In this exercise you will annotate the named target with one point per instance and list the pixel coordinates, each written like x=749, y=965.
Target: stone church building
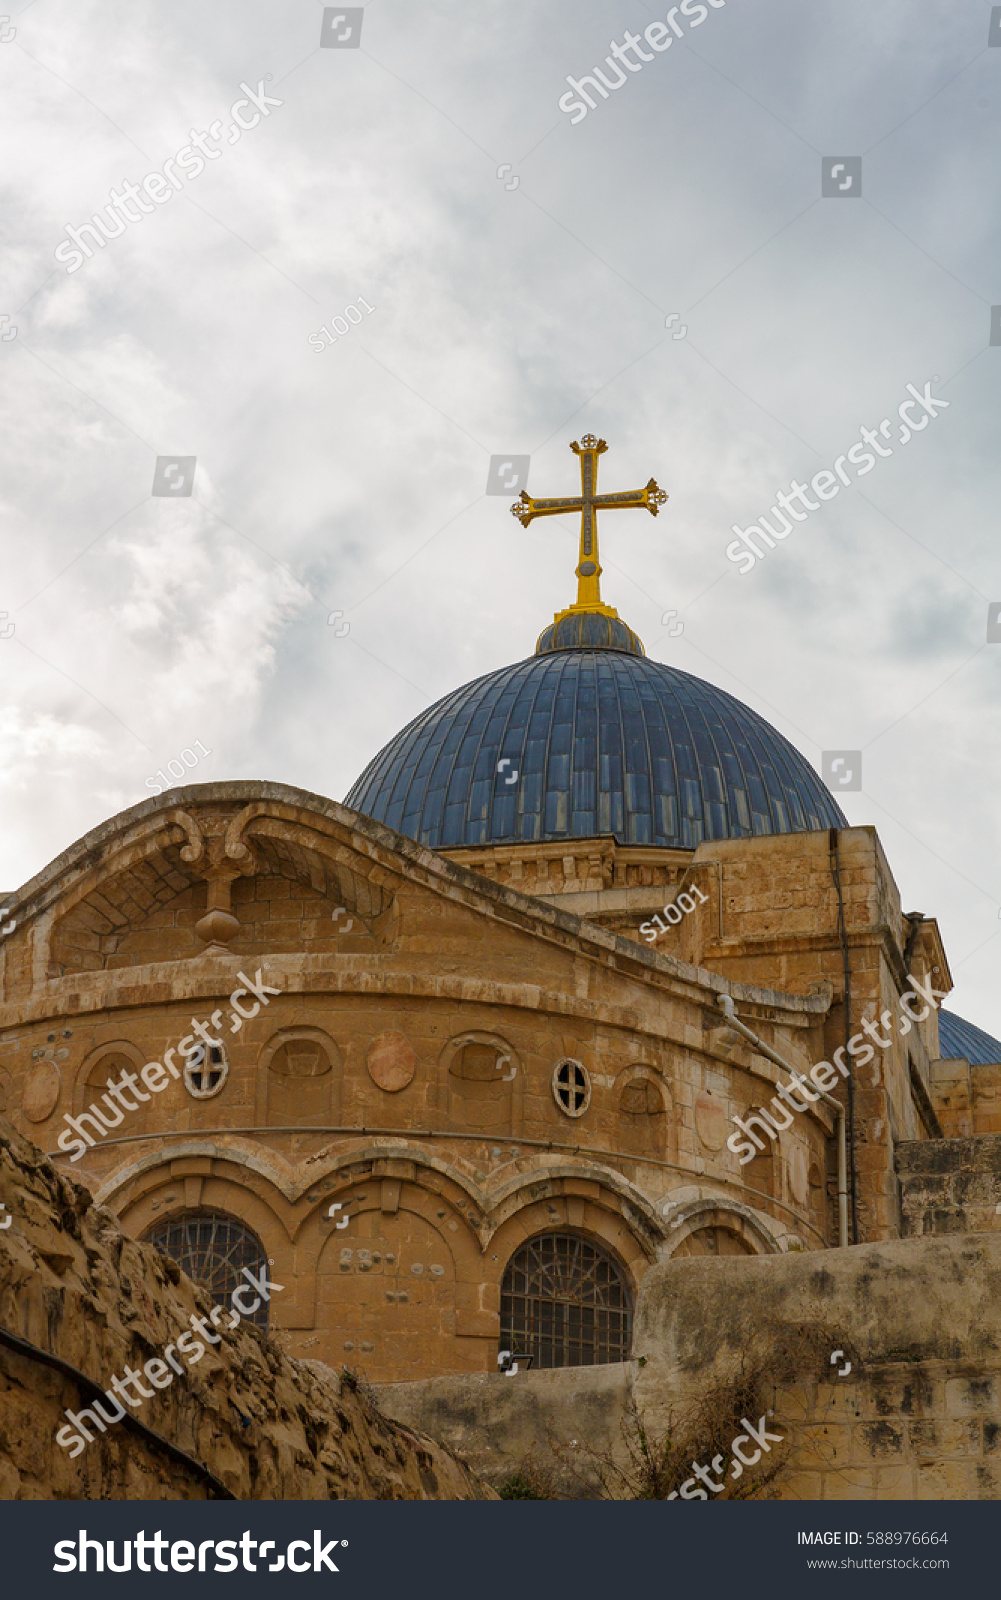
x=456, y=1060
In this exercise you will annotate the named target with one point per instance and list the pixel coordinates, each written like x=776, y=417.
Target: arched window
x=564, y=1301
x=213, y=1250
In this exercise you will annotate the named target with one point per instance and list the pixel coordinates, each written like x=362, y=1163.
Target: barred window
x=565, y=1302
x=213, y=1249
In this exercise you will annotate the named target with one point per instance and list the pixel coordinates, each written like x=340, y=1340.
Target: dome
x=577, y=742
x=959, y=1038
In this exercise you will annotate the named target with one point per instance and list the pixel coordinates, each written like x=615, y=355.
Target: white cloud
x=504, y=320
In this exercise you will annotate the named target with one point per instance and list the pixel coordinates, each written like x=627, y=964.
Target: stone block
x=975, y=1188
x=795, y=1484
x=944, y=1438
x=896, y=1394
x=823, y=1445
x=849, y=1483
x=843, y=1402
x=971, y=1396
x=945, y=1480
x=894, y=1483
x=879, y=1440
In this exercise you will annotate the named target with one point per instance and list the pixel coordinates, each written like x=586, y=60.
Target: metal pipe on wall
x=726, y=1005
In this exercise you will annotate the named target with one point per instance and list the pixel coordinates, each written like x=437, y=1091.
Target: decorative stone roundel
x=710, y=1120
x=391, y=1061
x=41, y=1091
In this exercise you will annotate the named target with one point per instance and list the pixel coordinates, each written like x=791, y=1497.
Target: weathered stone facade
x=404, y=1070
x=950, y=1185
x=78, y=1289
x=771, y=917
x=918, y=1417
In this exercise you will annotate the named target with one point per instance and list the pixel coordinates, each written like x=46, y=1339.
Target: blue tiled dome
x=957, y=1037
x=601, y=742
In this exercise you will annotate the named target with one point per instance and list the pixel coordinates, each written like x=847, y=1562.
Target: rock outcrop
x=78, y=1296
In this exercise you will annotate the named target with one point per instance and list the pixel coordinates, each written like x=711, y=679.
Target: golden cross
x=589, y=503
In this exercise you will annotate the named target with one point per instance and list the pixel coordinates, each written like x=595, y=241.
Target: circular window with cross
x=205, y=1071
x=571, y=1087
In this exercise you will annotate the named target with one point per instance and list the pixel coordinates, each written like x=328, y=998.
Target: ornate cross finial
x=589, y=503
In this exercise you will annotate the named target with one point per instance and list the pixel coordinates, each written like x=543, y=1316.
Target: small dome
x=589, y=630
x=574, y=743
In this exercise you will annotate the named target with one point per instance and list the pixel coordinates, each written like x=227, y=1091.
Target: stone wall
x=768, y=914
x=950, y=1185
x=403, y=1070
x=918, y=1417
x=265, y=1426
x=498, y=1424
x=967, y=1099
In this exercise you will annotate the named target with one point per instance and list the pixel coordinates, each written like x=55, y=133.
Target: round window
x=571, y=1087
x=205, y=1071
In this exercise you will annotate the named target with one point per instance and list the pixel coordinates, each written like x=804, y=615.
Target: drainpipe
x=726, y=1004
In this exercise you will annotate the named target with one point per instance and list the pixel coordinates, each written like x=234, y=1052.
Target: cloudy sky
x=663, y=271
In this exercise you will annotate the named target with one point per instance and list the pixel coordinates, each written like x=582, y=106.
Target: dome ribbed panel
x=602, y=742
x=957, y=1037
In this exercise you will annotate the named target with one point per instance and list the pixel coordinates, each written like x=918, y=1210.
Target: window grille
x=564, y=1301
x=213, y=1250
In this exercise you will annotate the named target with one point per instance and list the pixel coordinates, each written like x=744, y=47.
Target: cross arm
x=526, y=508
x=652, y=497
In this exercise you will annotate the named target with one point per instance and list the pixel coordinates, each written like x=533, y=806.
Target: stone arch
x=178, y=1186
x=764, y=1171
x=398, y=1269
x=322, y=881
x=604, y=1189
x=332, y=1172
x=600, y=1218
x=147, y=887
x=643, y=1106
x=88, y=1080
x=193, y=1177
x=481, y=1083
x=299, y=1078
x=717, y=1226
